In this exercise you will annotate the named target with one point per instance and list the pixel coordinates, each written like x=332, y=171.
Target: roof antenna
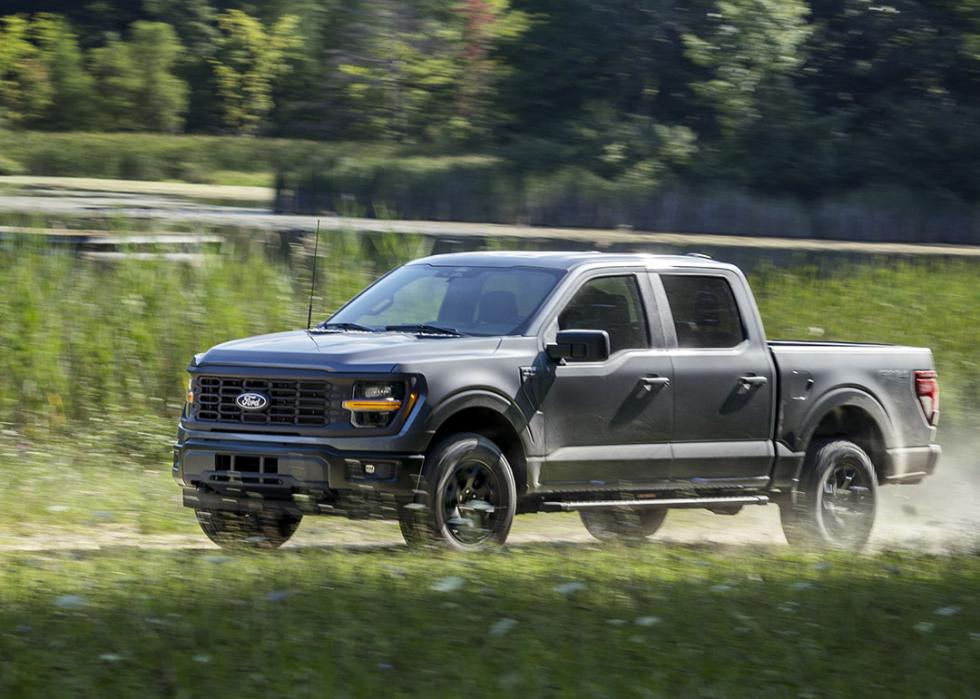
x=316, y=249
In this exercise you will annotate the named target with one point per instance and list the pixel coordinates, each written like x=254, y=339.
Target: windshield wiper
x=425, y=329
x=342, y=327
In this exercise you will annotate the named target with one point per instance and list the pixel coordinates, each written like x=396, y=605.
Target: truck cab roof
x=569, y=260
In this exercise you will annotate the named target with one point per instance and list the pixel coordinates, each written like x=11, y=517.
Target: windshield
x=470, y=300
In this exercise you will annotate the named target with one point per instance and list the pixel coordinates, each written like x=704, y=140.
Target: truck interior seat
x=497, y=307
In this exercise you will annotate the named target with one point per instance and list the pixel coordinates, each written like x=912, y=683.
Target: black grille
x=291, y=402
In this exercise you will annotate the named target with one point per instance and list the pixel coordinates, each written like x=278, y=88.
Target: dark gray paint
x=591, y=427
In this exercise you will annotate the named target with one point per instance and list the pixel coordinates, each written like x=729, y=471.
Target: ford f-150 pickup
x=460, y=390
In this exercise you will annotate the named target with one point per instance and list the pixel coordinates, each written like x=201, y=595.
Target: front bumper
x=241, y=472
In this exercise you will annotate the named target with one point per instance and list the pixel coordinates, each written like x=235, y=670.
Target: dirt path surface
x=941, y=515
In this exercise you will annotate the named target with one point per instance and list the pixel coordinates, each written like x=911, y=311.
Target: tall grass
x=83, y=340
x=83, y=343
x=928, y=302
x=140, y=156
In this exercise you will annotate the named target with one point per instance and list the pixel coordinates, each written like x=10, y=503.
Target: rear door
x=723, y=376
x=608, y=424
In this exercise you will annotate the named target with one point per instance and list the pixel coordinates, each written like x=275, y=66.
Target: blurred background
x=163, y=164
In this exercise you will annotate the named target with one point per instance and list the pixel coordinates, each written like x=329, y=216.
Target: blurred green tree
x=195, y=22
x=72, y=88
x=137, y=88
x=25, y=85
x=747, y=46
x=162, y=97
x=249, y=58
x=428, y=71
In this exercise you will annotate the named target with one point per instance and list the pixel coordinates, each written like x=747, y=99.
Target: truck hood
x=344, y=351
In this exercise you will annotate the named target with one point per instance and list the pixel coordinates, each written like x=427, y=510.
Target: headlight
x=375, y=403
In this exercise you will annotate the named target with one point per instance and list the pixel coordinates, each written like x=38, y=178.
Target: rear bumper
x=233, y=474
x=912, y=464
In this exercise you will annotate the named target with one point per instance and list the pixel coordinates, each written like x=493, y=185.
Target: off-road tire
x=235, y=530
x=835, y=502
x=627, y=525
x=466, y=499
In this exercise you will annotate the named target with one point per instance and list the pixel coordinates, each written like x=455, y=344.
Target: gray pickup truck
x=460, y=390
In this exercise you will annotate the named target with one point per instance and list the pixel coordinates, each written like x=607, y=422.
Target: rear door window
x=704, y=310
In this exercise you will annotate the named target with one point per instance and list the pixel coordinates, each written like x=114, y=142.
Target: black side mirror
x=580, y=346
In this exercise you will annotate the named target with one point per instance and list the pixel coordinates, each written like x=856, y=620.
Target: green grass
x=143, y=156
x=925, y=303
x=82, y=340
x=93, y=357
x=92, y=363
x=103, y=480
x=647, y=621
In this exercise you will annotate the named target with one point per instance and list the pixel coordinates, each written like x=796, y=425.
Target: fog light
x=371, y=471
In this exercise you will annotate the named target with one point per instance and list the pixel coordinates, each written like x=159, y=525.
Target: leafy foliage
x=25, y=90
x=248, y=59
x=72, y=86
x=137, y=90
x=799, y=98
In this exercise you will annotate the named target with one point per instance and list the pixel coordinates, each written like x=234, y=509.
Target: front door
x=723, y=398
x=608, y=424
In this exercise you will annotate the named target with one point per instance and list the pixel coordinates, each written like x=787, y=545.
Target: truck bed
x=812, y=373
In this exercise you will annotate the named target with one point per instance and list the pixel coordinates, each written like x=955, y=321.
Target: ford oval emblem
x=252, y=401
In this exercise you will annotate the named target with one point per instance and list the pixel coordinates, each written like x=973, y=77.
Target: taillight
x=927, y=391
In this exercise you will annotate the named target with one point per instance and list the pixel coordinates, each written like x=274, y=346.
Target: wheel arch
x=491, y=415
x=856, y=416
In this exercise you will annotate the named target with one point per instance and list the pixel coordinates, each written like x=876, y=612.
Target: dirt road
x=940, y=515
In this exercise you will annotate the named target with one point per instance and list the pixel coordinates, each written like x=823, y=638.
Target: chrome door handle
x=749, y=381
x=651, y=382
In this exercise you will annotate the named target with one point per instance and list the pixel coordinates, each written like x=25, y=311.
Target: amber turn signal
x=363, y=405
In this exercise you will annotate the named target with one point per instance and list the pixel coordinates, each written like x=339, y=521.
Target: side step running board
x=570, y=506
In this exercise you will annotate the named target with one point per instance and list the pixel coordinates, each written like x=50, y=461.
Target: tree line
x=797, y=97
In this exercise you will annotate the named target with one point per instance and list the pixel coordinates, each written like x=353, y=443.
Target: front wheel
x=836, y=501
x=623, y=524
x=467, y=498
x=237, y=530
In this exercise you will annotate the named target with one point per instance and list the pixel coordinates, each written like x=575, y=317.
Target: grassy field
x=92, y=361
x=136, y=156
x=96, y=482
x=925, y=303
x=83, y=341
x=539, y=620
x=225, y=160
x=93, y=356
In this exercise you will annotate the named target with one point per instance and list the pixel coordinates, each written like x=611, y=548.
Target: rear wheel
x=467, y=498
x=623, y=524
x=836, y=502
x=247, y=530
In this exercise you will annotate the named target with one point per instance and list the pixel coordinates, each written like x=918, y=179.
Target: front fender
x=482, y=398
